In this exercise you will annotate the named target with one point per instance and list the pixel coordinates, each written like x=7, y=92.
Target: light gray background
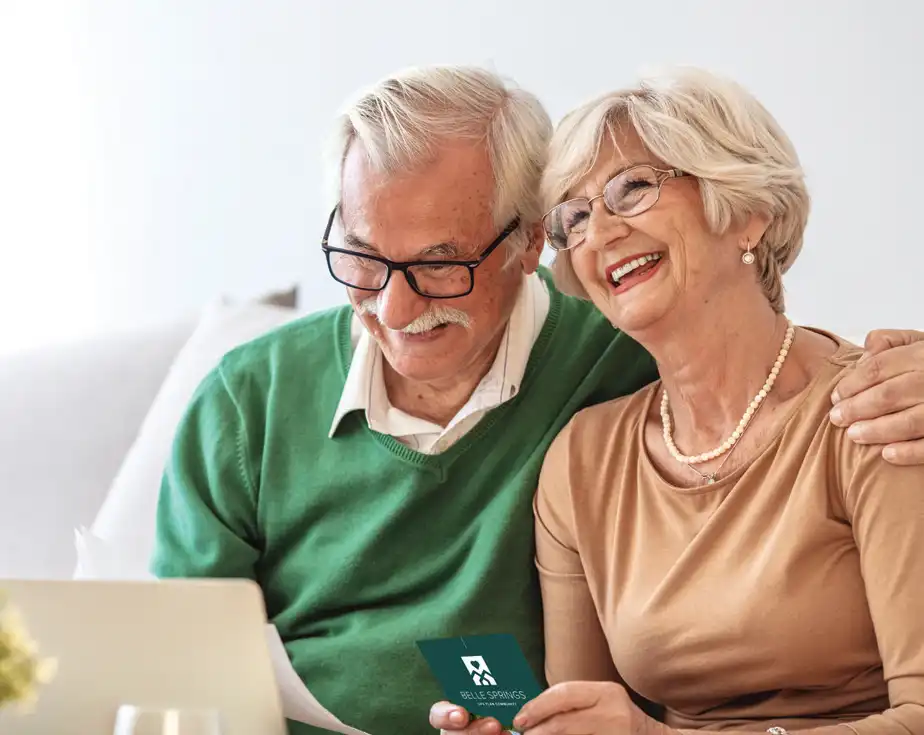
x=156, y=153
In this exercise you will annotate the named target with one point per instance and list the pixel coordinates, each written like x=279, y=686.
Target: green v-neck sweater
x=361, y=545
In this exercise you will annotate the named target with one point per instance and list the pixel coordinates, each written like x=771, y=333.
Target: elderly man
x=372, y=468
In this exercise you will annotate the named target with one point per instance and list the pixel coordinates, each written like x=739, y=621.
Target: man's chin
x=427, y=359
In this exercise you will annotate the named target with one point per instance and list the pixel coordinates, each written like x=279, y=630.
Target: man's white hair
x=404, y=119
x=709, y=127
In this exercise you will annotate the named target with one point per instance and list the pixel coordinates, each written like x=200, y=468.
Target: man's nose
x=399, y=304
x=603, y=227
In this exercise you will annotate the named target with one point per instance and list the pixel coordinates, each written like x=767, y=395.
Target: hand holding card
x=487, y=675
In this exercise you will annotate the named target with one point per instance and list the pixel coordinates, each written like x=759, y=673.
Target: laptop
x=188, y=644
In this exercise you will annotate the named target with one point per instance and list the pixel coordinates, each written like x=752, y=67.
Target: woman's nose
x=603, y=227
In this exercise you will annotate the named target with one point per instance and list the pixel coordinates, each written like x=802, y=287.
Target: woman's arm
x=885, y=505
x=576, y=648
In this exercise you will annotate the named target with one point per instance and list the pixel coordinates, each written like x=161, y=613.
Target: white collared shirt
x=365, y=391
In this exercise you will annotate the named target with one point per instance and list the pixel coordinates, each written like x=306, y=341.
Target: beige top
x=790, y=593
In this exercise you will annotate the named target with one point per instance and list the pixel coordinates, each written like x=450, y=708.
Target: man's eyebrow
x=447, y=249
x=441, y=250
x=354, y=242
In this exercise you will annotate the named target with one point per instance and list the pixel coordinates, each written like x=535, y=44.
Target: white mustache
x=434, y=317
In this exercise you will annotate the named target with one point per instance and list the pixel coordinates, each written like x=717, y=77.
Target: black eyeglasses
x=434, y=279
x=628, y=194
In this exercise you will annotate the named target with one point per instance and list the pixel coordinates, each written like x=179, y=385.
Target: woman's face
x=680, y=266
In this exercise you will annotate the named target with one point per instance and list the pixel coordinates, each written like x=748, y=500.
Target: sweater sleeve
x=885, y=505
x=575, y=645
x=206, y=513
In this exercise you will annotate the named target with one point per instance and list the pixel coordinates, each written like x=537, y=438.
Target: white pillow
x=126, y=520
x=97, y=560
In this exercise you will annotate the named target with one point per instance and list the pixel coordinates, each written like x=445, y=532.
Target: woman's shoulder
x=605, y=430
x=812, y=440
x=597, y=442
x=846, y=352
x=616, y=415
x=811, y=374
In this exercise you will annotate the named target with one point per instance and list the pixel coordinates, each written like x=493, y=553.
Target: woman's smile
x=631, y=271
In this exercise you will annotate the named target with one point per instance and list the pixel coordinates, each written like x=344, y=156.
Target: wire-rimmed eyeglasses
x=629, y=193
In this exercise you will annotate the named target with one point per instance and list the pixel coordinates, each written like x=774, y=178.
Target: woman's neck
x=713, y=368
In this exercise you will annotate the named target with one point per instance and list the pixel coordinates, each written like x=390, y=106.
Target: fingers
x=877, y=369
x=566, y=697
x=580, y=721
x=480, y=727
x=904, y=426
x=448, y=716
x=487, y=726
x=889, y=397
x=905, y=453
x=883, y=339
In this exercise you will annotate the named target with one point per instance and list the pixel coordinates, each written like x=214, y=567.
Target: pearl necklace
x=742, y=425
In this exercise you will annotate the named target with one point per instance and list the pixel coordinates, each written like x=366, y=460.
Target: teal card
x=486, y=674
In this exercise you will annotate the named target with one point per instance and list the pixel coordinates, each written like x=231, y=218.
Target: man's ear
x=531, y=256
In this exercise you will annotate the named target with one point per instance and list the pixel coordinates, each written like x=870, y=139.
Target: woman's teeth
x=624, y=270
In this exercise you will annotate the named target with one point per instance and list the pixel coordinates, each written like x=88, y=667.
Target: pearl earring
x=748, y=257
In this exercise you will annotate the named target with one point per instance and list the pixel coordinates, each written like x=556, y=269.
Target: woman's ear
x=752, y=232
x=533, y=252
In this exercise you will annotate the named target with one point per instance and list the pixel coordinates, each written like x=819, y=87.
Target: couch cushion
x=126, y=520
x=70, y=414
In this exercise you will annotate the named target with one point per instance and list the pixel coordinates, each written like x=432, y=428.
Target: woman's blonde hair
x=711, y=128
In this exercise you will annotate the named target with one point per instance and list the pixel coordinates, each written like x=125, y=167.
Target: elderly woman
x=713, y=544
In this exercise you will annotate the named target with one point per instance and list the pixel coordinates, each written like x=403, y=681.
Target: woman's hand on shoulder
x=586, y=708
x=882, y=400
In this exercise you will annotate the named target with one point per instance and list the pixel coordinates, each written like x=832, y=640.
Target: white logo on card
x=479, y=670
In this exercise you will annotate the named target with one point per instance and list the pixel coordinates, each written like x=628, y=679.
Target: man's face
x=441, y=212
